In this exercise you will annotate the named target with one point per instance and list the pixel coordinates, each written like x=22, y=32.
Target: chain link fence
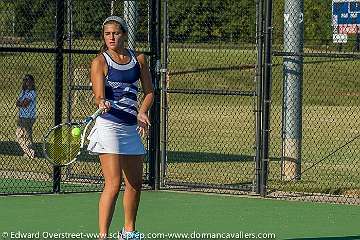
x=211, y=99
x=314, y=119
x=48, y=39
x=212, y=93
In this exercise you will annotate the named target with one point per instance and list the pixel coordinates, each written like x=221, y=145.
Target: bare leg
x=110, y=164
x=23, y=139
x=132, y=167
x=29, y=129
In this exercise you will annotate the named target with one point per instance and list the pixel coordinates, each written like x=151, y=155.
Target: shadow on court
x=199, y=157
x=12, y=148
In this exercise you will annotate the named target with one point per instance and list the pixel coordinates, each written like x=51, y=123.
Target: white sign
x=340, y=38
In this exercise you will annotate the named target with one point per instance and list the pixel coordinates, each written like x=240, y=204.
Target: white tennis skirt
x=109, y=137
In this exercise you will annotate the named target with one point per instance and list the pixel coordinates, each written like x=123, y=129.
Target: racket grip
x=96, y=114
x=93, y=116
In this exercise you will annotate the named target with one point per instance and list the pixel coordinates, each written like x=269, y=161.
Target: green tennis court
x=179, y=215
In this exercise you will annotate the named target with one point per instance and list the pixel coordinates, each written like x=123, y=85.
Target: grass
x=211, y=138
x=222, y=151
x=212, y=69
x=224, y=124
x=326, y=81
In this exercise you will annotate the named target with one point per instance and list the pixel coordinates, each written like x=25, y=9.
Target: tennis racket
x=63, y=144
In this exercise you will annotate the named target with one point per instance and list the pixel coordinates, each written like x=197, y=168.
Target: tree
x=208, y=20
x=88, y=16
x=317, y=17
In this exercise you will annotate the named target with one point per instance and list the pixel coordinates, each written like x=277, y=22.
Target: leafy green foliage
x=190, y=20
x=88, y=16
x=317, y=19
x=203, y=21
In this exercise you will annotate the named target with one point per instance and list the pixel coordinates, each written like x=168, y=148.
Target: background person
x=27, y=114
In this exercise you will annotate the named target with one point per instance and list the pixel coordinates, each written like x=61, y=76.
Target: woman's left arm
x=145, y=78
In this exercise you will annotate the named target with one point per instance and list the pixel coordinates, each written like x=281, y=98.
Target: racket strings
x=61, y=146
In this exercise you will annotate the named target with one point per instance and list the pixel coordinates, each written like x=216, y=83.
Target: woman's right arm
x=98, y=72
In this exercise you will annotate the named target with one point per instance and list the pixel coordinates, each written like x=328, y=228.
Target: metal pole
x=293, y=78
x=154, y=144
x=164, y=102
x=69, y=67
x=357, y=45
x=266, y=97
x=131, y=17
x=70, y=82
x=158, y=92
x=259, y=82
x=58, y=86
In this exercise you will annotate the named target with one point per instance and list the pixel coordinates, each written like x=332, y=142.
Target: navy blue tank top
x=121, y=86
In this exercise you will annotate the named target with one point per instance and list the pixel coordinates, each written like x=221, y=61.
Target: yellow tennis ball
x=76, y=132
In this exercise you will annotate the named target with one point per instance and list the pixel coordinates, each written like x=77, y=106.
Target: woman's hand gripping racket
x=63, y=143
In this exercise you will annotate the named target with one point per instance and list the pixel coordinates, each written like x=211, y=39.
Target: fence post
x=131, y=17
x=266, y=97
x=154, y=141
x=164, y=97
x=357, y=44
x=293, y=78
x=69, y=9
x=58, y=86
x=259, y=82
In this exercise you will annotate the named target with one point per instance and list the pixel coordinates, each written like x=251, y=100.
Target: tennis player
x=115, y=74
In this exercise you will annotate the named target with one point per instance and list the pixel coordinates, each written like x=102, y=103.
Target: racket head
x=60, y=147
